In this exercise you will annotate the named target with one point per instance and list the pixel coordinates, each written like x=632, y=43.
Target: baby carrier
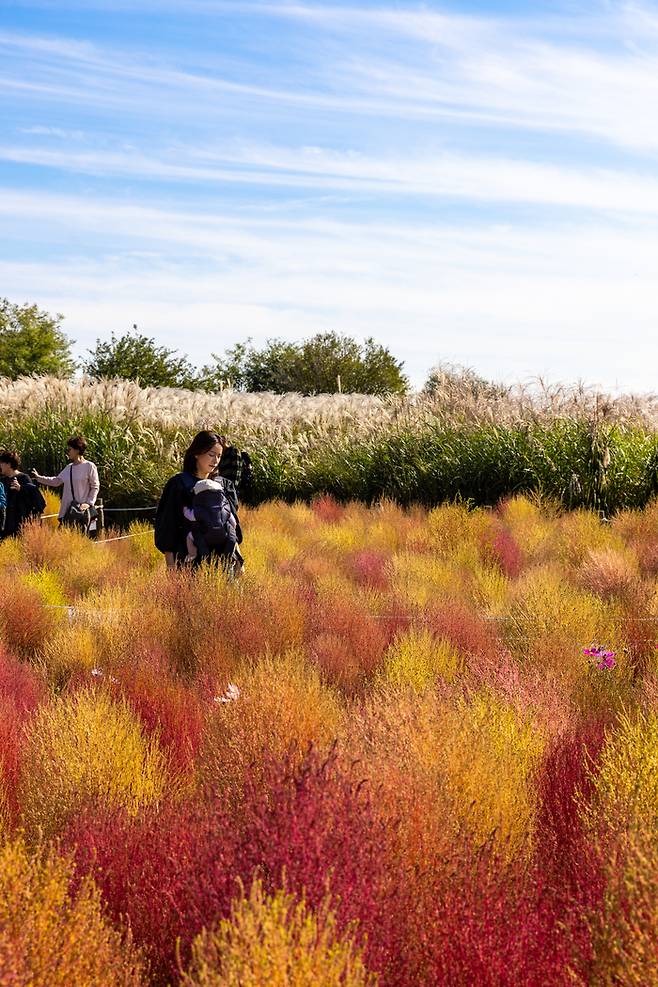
x=214, y=525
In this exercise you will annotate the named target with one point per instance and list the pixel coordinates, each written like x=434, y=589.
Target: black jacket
x=171, y=525
x=21, y=504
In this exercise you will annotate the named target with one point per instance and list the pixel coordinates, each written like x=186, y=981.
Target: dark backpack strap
x=71, y=482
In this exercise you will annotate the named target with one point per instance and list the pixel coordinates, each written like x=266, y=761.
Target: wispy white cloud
x=395, y=62
x=383, y=115
x=59, y=133
x=512, y=303
x=442, y=176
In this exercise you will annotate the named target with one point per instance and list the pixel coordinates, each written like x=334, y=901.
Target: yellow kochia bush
x=626, y=783
x=482, y=754
x=550, y=621
x=421, y=579
x=417, y=658
x=474, y=760
x=625, y=932
x=48, y=585
x=490, y=758
x=52, y=936
x=82, y=748
x=71, y=649
x=276, y=941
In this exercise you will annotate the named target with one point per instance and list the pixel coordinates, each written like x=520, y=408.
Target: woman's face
x=5, y=469
x=72, y=453
x=206, y=462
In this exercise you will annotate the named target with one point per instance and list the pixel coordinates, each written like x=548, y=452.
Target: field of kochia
x=381, y=757
x=579, y=448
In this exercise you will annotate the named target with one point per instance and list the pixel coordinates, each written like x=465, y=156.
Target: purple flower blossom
x=600, y=656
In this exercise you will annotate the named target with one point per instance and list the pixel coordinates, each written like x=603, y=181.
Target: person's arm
x=33, y=503
x=93, y=486
x=50, y=481
x=168, y=520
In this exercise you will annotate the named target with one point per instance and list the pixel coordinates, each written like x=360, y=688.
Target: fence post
x=100, y=520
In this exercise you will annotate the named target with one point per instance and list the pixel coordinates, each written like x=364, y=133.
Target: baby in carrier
x=215, y=529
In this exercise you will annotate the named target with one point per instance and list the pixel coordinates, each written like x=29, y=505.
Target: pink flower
x=604, y=659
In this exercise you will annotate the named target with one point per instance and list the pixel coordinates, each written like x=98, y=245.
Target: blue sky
x=471, y=182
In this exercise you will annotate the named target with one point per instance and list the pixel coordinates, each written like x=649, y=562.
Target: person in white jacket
x=79, y=480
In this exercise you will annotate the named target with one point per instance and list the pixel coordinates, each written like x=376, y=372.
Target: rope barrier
x=135, y=534
x=109, y=510
x=420, y=618
x=406, y=616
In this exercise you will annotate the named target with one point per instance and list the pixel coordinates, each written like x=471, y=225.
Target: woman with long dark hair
x=190, y=501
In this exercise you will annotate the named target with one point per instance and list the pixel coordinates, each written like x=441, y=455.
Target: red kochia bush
x=473, y=918
x=568, y=856
x=21, y=691
x=496, y=926
x=347, y=642
x=370, y=568
x=565, y=780
x=506, y=551
x=466, y=630
x=165, y=706
x=170, y=872
x=320, y=831
x=20, y=683
x=175, y=871
x=327, y=509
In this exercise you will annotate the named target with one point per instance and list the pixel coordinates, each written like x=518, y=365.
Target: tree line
x=32, y=342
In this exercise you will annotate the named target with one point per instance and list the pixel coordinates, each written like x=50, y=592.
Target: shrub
x=21, y=692
x=52, y=935
x=276, y=941
x=24, y=622
x=283, y=707
x=312, y=826
x=417, y=658
x=81, y=749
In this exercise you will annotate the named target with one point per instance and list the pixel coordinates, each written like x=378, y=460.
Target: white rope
x=109, y=510
x=135, y=534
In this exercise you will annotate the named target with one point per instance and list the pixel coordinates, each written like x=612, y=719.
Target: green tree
x=32, y=342
x=324, y=364
x=136, y=357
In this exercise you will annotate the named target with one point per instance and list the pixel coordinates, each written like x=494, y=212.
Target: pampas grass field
x=570, y=444
x=409, y=747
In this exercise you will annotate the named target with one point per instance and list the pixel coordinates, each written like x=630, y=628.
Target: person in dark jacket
x=235, y=466
x=24, y=499
x=175, y=507
x=3, y=508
